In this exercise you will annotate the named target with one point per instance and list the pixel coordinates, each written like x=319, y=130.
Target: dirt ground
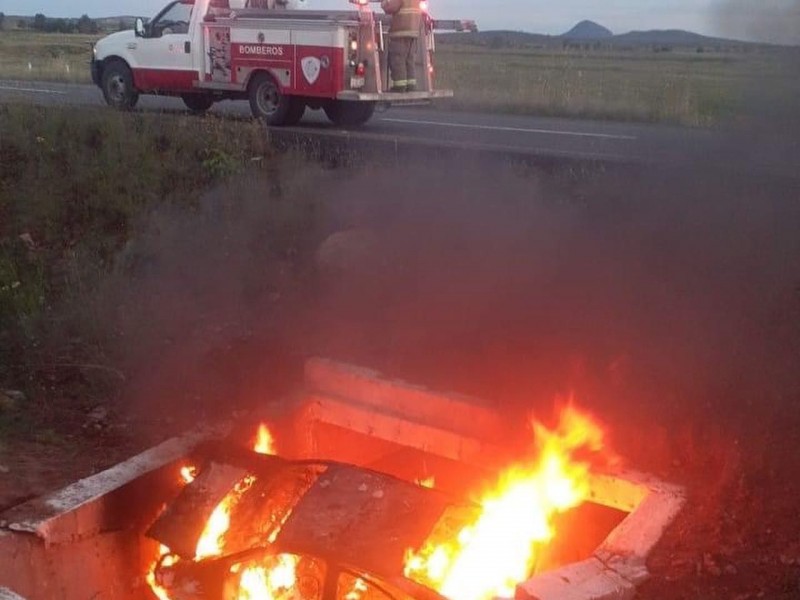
x=669, y=306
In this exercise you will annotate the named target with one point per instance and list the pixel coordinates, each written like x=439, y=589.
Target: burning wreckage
x=368, y=489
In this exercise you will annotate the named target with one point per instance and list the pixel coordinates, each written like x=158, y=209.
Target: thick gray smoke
x=771, y=21
x=653, y=296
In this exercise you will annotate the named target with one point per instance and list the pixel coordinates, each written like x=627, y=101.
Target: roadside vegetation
x=74, y=186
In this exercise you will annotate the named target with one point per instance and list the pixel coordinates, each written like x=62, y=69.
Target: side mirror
x=139, y=27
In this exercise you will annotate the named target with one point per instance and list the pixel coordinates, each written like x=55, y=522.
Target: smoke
x=654, y=297
x=771, y=21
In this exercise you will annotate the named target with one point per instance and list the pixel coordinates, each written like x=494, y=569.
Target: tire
x=344, y=113
x=198, y=103
x=267, y=102
x=117, y=86
x=297, y=108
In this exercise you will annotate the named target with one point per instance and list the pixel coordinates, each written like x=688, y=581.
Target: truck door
x=164, y=56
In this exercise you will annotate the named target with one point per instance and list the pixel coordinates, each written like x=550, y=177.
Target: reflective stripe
x=400, y=82
x=406, y=22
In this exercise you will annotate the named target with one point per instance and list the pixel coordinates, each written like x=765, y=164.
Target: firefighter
x=403, y=39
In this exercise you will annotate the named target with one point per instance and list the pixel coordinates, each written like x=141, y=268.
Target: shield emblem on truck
x=311, y=67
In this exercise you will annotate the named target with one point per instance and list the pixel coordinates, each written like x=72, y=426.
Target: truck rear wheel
x=198, y=103
x=267, y=102
x=297, y=108
x=117, y=85
x=344, y=112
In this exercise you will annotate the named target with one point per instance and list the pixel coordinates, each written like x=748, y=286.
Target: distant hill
x=589, y=33
x=588, y=30
x=674, y=37
x=497, y=39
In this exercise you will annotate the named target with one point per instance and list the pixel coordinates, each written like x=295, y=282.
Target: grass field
x=682, y=87
x=45, y=56
x=686, y=88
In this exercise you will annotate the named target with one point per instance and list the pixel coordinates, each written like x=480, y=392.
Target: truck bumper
x=94, y=67
x=394, y=97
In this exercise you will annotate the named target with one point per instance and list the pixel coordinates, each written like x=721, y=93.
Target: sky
x=539, y=16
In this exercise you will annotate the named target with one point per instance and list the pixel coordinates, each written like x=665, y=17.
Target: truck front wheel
x=267, y=102
x=118, y=87
x=198, y=103
x=343, y=112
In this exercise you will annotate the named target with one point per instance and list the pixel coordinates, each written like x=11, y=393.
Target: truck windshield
x=174, y=19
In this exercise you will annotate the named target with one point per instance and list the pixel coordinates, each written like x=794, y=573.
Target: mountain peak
x=588, y=30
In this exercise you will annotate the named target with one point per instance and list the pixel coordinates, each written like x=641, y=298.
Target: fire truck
x=277, y=54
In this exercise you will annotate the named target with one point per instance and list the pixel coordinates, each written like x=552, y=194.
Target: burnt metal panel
x=180, y=526
x=260, y=514
x=363, y=518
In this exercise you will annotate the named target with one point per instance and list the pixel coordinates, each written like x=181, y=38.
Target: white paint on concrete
x=7, y=594
x=15, y=88
x=586, y=134
x=585, y=580
x=63, y=505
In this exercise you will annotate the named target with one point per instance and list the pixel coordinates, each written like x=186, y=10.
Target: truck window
x=174, y=19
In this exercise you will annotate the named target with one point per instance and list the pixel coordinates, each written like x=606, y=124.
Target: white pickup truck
x=280, y=57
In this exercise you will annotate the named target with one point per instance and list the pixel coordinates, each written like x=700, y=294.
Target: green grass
x=74, y=183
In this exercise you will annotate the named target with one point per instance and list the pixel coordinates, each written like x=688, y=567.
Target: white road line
x=33, y=90
x=607, y=136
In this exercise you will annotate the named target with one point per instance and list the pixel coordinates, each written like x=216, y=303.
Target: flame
x=489, y=557
x=269, y=581
x=428, y=482
x=212, y=540
x=358, y=589
x=165, y=559
x=255, y=583
x=265, y=442
x=188, y=473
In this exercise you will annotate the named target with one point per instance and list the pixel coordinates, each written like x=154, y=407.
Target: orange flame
x=358, y=589
x=269, y=581
x=212, y=540
x=188, y=473
x=164, y=559
x=428, y=482
x=489, y=557
x=265, y=442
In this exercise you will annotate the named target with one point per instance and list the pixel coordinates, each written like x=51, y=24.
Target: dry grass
x=686, y=88
x=45, y=56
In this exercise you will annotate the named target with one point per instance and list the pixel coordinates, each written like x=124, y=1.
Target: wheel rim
x=116, y=88
x=267, y=98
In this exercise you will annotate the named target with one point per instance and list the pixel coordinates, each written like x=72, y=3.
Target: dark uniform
x=403, y=39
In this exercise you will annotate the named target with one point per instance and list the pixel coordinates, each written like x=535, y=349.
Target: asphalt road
x=545, y=137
